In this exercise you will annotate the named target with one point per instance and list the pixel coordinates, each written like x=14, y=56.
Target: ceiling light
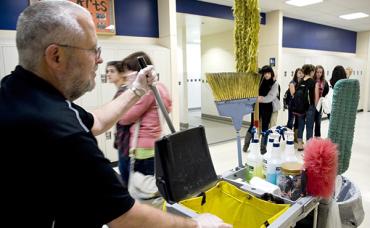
x=353, y=16
x=302, y=2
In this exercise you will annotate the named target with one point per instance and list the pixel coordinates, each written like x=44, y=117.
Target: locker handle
x=108, y=135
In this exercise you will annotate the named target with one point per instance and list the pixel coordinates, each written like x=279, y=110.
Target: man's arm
x=144, y=216
x=141, y=215
x=107, y=115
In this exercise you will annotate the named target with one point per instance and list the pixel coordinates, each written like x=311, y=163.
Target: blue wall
x=137, y=17
x=307, y=35
x=9, y=11
x=204, y=9
x=133, y=17
x=140, y=18
x=208, y=9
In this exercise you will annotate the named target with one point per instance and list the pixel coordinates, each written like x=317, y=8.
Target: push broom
x=234, y=94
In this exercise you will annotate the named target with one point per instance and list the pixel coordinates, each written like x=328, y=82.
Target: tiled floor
x=216, y=131
x=224, y=156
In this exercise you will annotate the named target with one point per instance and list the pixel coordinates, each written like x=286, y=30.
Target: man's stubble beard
x=77, y=85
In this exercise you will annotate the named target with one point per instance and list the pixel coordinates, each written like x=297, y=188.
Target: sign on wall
x=102, y=12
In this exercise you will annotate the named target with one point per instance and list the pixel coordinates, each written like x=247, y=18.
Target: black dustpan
x=183, y=164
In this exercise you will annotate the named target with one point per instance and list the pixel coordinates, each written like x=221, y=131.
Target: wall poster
x=102, y=12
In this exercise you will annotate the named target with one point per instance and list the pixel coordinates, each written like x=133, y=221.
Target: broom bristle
x=320, y=162
x=232, y=86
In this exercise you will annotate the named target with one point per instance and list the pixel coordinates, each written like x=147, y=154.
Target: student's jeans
x=318, y=123
x=124, y=166
x=308, y=121
x=291, y=118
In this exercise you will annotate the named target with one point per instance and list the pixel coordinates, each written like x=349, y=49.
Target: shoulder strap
x=136, y=136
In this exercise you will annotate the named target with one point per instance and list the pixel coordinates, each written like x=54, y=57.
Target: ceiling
x=326, y=13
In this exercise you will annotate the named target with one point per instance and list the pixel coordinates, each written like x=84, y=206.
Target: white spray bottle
x=254, y=159
x=289, y=152
x=267, y=156
x=274, y=164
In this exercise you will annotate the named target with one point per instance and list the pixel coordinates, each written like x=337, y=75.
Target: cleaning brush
x=320, y=163
x=233, y=86
x=346, y=95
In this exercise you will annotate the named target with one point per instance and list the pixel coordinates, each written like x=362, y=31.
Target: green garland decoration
x=246, y=30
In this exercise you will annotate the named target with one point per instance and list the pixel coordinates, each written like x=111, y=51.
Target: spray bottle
x=267, y=156
x=289, y=152
x=274, y=164
x=254, y=159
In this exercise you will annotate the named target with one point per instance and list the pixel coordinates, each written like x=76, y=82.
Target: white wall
x=193, y=65
x=363, y=51
x=294, y=58
x=112, y=49
x=270, y=39
x=217, y=56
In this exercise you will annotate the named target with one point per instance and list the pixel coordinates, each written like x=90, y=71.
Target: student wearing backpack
x=289, y=94
x=268, y=91
x=303, y=104
x=321, y=89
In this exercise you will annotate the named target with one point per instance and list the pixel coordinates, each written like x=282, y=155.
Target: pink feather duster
x=320, y=162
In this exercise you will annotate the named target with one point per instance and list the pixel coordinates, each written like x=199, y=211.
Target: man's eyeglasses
x=96, y=50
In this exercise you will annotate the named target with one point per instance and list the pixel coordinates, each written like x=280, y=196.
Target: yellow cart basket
x=235, y=206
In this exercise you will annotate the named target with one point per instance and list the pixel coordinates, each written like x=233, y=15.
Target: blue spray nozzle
x=254, y=133
x=281, y=130
x=266, y=133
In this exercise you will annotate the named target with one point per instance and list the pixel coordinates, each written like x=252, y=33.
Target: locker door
x=107, y=89
x=91, y=99
x=110, y=152
x=10, y=58
x=161, y=62
x=2, y=64
x=101, y=142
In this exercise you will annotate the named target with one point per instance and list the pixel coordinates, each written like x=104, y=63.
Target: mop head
x=320, y=162
x=343, y=119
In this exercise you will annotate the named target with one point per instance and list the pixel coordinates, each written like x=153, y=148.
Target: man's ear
x=53, y=56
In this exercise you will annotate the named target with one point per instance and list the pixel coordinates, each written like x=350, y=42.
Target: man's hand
x=210, y=221
x=144, y=78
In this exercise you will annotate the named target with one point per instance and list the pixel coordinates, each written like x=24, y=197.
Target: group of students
x=311, y=79
x=307, y=113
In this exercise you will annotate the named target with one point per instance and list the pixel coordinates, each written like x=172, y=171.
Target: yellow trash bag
x=235, y=206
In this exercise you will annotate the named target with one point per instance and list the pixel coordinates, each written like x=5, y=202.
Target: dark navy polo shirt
x=52, y=171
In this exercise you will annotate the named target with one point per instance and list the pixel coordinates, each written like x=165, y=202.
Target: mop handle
x=158, y=98
x=163, y=108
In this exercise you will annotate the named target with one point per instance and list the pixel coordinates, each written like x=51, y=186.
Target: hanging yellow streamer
x=245, y=83
x=247, y=25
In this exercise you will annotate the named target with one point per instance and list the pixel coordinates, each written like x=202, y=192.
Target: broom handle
x=256, y=115
x=163, y=108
